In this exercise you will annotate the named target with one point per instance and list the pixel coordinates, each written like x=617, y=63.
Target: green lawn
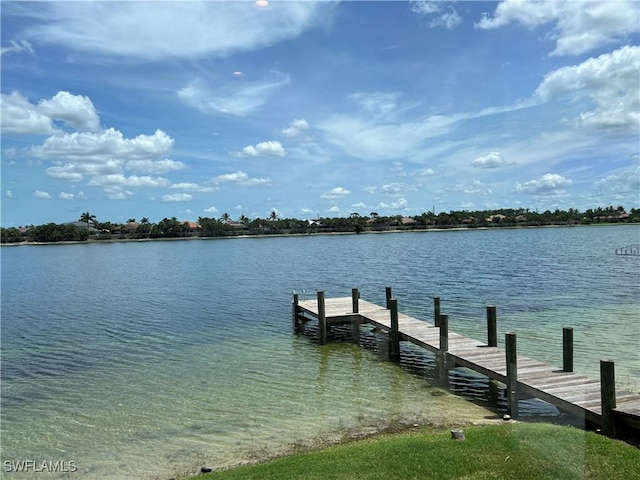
x=510, y=451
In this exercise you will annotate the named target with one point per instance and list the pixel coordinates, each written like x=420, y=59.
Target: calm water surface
x=142, y=360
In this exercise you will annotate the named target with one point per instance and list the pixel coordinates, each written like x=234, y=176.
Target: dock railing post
x=567, y=349
x=355, y=296
x=294, y=313
x=322, y=317
x=436, y=311
x=492, y=326
x=608, y=396
x=394, y=335
x=512, y=373
x=443, y=371
x=387, y=292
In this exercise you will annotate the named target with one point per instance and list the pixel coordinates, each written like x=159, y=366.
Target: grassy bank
x=509, y=451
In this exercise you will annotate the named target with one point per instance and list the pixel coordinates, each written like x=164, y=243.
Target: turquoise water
x=147, y=359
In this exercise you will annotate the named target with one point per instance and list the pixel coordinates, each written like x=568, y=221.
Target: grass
x=509, y=451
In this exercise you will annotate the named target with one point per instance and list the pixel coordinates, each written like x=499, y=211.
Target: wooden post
x=512, y=374
x=355, y=295
x=443, y=371
x=322, y=318
x=608, y=396
x=492, y=326
x=436, y=311
x=387, y=292
x=567, y=349
x=394, y=335
x=294, y=312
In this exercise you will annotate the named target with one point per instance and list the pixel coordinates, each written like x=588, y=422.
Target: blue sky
x=195, y=109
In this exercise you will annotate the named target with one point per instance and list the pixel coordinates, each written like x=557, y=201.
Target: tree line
x=89, y=228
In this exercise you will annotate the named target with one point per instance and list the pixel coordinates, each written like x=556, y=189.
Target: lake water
x=147, y=359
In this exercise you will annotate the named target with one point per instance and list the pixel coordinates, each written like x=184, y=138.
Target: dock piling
x=294, y=312
x=436, y=311
x=608, y=396
x=387, y=292
x=567, y=349
x=443, y=371
x=512, y=373
x=492, y=326
x=394, y=335
x=322, y=317
x=355, y=296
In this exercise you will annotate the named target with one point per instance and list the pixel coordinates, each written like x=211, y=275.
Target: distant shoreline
x=309, y=234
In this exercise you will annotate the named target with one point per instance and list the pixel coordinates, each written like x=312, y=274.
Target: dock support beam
x=294, y=313
x=436, y=311
x=394, y=335
x=492, y=326
x=355, y=319
x=322, y=317
x=387, y=292
x=567, y=349
x=608, y=396
x=512, y=374
x=443, y=371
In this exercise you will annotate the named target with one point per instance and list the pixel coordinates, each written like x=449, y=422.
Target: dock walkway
x=568, y=391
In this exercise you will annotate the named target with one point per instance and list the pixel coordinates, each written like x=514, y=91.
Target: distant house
x=498, y=217
x=193, y=226
x=132, y=226
x=237, y=225
x=407, y=221
x=85, y=226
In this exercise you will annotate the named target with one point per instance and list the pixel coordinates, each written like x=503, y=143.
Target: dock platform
x=523, y=377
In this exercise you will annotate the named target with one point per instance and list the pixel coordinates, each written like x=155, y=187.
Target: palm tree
x=273, y=216
x=225, y=218
x=88, y=218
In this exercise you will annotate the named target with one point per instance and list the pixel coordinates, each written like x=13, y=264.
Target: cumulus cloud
x=295, y=128
x=231, y=97
x=440, y=13
x=271, y=148
x=177, y=197
x=211, y=209
x=394, y=189
x=20, y=116
x=75, y=110
x=490, y=160
x=239, y=178
x=41, y=194
x=609, y=82
x=132, y=29
x=66, y=196
x=621, y=182
x=579, y=26
x=548, y=184
x=425, y=172
x=400, y=204
x=156, y=167
x=192, y=187
x=335, y=193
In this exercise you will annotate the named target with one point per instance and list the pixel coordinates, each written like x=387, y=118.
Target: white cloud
x=19, y=116
x=475, y=187
x=120, y=180
x=425, y=172
x=41, y=194
x=370, y=190
x=548, y=184
x=335, y=193
x=67, y=172
x=177, y=197
x=211, y=209
x=440, y=15
x=394, y=188
x=334, y=209
x=66, y=196
x=271, y=148
x=75, y=110
x=295, y=128
x=579, y=26
x=490, y=160
x=400, y=204
x=240, y=178
x=192, y=187
x=609, y=81
x=132, y=29
x=17, y=47
x=156, y=167
x=621, y=182
x=231, y=97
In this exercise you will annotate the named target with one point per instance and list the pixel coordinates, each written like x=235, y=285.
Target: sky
x=188, y=109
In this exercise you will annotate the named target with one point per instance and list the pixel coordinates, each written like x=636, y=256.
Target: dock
x=596, y=400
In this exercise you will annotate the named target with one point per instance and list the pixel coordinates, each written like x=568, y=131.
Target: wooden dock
x=597, y=401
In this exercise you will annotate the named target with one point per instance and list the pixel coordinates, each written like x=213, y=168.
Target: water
x=147, y=359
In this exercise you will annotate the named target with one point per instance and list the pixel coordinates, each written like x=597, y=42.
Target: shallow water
x=143, y=359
